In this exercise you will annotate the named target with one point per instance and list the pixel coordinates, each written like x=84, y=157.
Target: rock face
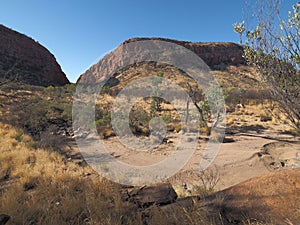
x=24, y=60
x=217, y=55
x=212, y=53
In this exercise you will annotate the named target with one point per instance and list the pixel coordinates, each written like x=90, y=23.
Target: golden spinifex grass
x=39, y=186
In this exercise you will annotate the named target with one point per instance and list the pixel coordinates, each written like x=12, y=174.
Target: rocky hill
x=214, y=54
x=217, y=55
x=24, y=60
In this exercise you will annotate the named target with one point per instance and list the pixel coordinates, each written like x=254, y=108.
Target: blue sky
x=80, y=32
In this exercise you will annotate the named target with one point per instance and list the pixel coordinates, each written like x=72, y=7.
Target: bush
x=272, y=47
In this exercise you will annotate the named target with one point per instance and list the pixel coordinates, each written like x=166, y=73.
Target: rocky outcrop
x=24, y=60
x=213, y=54
x=159, y=194
x=217, y=55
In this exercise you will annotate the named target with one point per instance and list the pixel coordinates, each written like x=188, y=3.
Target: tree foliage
x=272, y=46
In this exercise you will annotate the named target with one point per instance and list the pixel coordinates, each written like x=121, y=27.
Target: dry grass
x=262, y=115
x=41, y=187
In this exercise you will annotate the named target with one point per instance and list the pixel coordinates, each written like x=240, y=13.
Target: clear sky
x=80, y=32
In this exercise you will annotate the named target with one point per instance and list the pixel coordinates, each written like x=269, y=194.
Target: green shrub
x=19, y=135
x=265, y=118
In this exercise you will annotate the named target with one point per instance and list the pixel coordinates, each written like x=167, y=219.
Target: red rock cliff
x=25, y=60
x=217, y=55
x=212, y=53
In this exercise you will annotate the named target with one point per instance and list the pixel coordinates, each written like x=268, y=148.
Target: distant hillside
x=217, y=55
x=214, y=54
x=24, y=60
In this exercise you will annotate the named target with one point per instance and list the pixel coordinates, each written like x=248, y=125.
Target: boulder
x=159, y=194
x=3, y=219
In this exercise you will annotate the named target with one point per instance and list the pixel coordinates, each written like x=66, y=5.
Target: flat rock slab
x=159, y=194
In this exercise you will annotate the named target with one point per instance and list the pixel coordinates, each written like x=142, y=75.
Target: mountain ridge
x=217, y=55
x=206, y=50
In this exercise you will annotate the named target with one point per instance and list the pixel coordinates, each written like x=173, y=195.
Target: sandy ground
x=243, y=155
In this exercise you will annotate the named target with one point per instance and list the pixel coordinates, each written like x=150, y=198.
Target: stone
x=3, y=219
x=160, y=194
